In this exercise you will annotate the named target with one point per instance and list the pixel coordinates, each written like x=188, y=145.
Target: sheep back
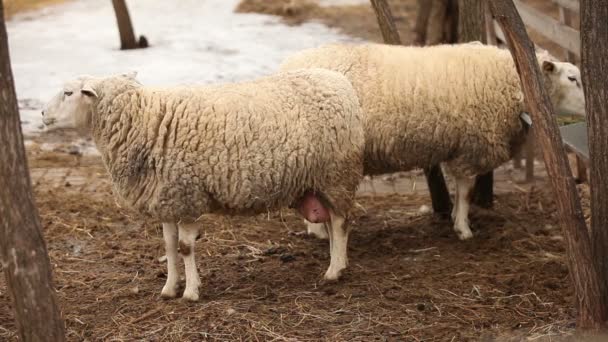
x=241, y=148
x=426, y=105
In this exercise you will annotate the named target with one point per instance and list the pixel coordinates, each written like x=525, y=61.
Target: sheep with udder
x=294, y=139
x=460, y=105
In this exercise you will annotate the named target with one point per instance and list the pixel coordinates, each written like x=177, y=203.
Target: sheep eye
x=572, y=78
x=68, y=93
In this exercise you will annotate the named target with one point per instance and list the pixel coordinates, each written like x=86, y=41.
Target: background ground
x=409, y=277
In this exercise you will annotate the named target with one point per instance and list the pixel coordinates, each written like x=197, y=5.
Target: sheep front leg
x=187, y=238
x=317, y=229
x=338, y=245
x=461, y=220
x=170, y=236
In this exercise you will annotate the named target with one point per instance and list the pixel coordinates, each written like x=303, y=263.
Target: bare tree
x=23, y=253
x=440, y=196
x=591, y=314
x=125, y=27
x=594, y=50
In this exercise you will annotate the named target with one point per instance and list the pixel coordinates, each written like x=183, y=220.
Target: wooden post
x=22, y=250
x=594, y=56
x=471, y=27
x=125, y=27
x=578, y=244
x=440, y=196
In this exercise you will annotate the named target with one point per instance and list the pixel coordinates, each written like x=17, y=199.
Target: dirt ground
x=409, y=278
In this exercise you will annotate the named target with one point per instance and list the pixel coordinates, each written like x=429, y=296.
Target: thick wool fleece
x=458, y=104
x=242, y=148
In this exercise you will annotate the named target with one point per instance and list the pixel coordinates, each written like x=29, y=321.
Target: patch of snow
x=191, y=42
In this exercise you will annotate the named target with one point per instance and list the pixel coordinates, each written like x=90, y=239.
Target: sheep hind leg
x=319, y=230
x=187, y=237
x=338, y=245
x=170, y=237
x=461, y=220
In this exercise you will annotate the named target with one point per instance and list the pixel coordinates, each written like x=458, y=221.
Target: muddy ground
x=409, y=278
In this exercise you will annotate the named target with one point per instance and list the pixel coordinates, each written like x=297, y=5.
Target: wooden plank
x=563, y=35
x=575, y=138
x=572, y=5
x=566, y=19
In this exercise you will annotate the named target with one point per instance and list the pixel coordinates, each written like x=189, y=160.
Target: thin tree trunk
x=422, y=21
x=386, y=22
x=580, y=261
x=471, y=21
x=23, y=253
x=594, y=49
x=125, y=28
x=471, y=27
x=440, y=197
x=442, y=22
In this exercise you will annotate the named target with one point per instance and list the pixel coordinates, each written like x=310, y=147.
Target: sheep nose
x=43, y=113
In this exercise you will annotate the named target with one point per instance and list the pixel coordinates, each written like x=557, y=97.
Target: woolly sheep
x=459, y=105
x=293, y=139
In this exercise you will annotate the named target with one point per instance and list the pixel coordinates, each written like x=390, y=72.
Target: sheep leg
x=455, y=206
x=187, y=237
x=461, y=222
x=317, y=229
x=170, y=236
x=338, y=245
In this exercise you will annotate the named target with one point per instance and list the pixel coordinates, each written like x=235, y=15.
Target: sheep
x=459, y=105
x=294, y=140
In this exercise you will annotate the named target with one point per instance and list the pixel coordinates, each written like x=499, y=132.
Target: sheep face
x=566, y=87
x=71, y=107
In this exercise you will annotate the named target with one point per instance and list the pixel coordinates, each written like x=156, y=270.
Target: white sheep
x=459, y=105
x=294, y=139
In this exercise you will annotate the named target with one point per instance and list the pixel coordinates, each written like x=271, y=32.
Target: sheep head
x=73, y=105
x=565, y=87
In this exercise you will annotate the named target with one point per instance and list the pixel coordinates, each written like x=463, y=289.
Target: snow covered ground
x=192, y=41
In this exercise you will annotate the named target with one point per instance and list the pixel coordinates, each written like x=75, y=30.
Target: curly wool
x=458, y=104
x=242, y=148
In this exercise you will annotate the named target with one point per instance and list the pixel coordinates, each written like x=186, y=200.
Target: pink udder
x=313, y=211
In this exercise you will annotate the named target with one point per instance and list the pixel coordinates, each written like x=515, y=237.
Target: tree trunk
x=442, y=22
x=471, y=27
x=125, y=28
x=471, y=21
x=594, y=55
x=22, y=250
x=440, y=196
x=422, y=21
x=580, y=261
x=386, y=22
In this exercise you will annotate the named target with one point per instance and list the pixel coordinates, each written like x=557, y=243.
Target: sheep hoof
x=191, y=296
x=464, y=233
x=332, y=275
x=318, y=231
x=168, y=292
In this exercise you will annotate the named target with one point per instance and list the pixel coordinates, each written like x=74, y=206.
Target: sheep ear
x=548, y=67
x=130, y=74
x=87, y=90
